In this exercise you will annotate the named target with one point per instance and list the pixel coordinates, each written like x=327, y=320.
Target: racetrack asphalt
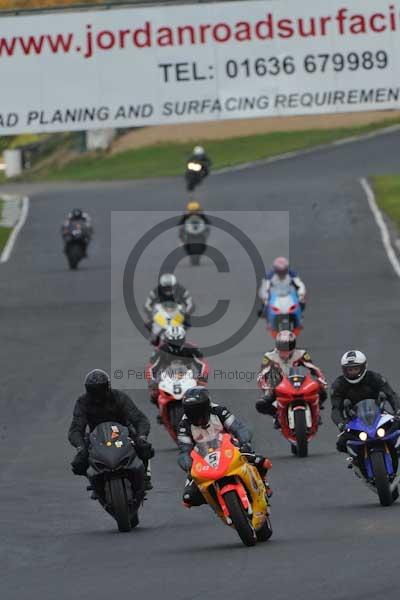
x=331, y=538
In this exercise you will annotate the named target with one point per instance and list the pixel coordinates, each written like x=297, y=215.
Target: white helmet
x=175, y=336
x=198, y=151
x=167, y=284
x=354, y=366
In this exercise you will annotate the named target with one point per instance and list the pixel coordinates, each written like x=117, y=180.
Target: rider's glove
x=341, y=427
x=144, y=449
x=80, y=462
x=246, y=448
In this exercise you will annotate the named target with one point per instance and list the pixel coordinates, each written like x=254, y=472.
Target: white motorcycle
x=173, y=384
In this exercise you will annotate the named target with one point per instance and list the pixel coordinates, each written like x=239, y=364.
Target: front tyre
x=120, y=506
x=240, y=519
x=382, y=482
x=300, y=428
x=74, y=256
x=265, y=532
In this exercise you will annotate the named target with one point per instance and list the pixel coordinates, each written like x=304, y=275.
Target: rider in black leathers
x=99, y=404
x=357, y=383
x=81, y=219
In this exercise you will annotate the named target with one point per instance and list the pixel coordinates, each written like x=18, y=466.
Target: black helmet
x=167, y=284
x=196, y=406
x=76, y=213
x=97, y=384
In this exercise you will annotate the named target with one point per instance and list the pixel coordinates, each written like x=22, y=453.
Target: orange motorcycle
x=232, y=487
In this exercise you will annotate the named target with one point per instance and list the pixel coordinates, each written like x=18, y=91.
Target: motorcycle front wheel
x=74, y=256
x=240, y=519
x=265, y=532
x=382, y=482
x=300, y=427
x=120, y=506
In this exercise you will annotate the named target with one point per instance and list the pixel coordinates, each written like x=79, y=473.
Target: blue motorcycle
x=374, y=449
x=283, y=311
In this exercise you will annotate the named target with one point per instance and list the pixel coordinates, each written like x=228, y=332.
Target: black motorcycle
x=194, y=236
x=76, y=241
x=195, y=173
x=116, y=473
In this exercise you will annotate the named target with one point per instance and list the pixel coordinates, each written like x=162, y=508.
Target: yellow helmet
x=193, y=206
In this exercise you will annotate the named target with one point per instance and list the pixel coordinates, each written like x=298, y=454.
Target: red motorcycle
x=297, y=398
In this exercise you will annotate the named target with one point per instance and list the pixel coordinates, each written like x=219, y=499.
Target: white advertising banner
x=166, y=64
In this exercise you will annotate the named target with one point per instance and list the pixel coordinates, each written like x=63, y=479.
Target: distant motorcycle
x=165, y=314
x=194, y=236
x=173, y=383
x=76, y=241
x=116, y=473
x=283, y=311
x=297, y=399
x=195, y=173
x=373, y=450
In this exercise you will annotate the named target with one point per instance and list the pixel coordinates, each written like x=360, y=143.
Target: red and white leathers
x=273, y=368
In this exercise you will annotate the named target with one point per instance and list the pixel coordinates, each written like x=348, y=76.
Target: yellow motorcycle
x=232, y=487
x=164, y=315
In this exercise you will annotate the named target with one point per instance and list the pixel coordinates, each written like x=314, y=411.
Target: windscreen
x=207, y=447
x=108, y=432
x=194, y=226
x=297, y=376
x=176, y=370
x=282, y=288
x=367, y=411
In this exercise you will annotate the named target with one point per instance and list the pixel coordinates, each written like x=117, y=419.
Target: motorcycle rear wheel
x=382, y=482
x=240, y=519
x=300, y=427
x=120, y=506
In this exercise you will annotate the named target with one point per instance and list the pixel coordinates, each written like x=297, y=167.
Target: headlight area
x=381, y=432
x=363, y=436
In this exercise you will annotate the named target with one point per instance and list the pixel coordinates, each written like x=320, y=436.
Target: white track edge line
x=385, y=235
x=5, y=255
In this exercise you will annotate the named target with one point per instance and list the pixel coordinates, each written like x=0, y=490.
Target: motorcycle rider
x=77, y=217
x=193, y=208
x=175, y=347
x=357, y=383
x=204, y=419
x=169, y=290
x=199, y=155
x=276, y=364
x=281, y=273
x=99, y=404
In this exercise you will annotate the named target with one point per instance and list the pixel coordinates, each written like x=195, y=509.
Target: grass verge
x=387, y=190
x=4, y=235
x=169, y=159
x=4, y=231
